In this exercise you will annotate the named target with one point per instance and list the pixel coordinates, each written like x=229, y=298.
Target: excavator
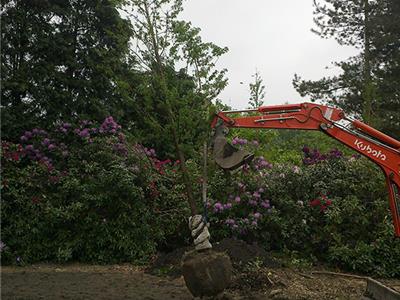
x=375, y=145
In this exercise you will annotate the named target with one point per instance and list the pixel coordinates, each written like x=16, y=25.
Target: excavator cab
x=225, y=155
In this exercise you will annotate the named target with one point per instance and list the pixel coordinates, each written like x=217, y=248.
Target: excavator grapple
x=225, y=155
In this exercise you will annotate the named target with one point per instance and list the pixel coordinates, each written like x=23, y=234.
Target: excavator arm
x=377, y=146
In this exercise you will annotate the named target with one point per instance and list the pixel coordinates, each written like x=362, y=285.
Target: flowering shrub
x=83, y=192
x=332, y=208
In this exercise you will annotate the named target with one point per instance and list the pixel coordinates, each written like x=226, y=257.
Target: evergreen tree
x=61, y=60
x=359, y=88
x=386, y=52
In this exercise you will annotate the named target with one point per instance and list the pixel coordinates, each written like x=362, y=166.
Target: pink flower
x=256, y=195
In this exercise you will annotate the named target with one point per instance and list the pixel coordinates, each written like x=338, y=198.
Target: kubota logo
x=367, y=148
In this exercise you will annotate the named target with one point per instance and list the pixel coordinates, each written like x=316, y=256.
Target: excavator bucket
x=225, y=155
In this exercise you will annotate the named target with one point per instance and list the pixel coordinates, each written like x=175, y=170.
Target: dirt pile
x=239, y=252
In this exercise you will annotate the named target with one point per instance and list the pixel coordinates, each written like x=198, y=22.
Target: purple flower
x=84, y=133
x=51, y=147
x=261, y=190
x=265, y=204
x=230, y=221
x=254, y=223
x=237, y=199
x=239, y=141
x=257, y=215
x=218, y=207
x=256, y=195
x=306, y=150
x=46, y=142
x=109, y=125
x=29, y=147
x=2, y=246
x=228, y=206
x=252, y=202
x=35, y=131
x=28, y=134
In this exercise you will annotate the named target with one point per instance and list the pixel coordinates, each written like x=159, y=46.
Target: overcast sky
x=272, y=36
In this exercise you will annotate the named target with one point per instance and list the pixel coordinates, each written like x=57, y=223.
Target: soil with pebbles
x=261, y=278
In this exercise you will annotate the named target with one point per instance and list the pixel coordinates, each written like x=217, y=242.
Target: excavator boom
x=377, y=146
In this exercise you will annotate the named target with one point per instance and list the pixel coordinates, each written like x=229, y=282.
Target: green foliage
x=93, y=198
x=330, y=208
x=63, y=59
x=282, y=146
x=180, y=78
x=257, y=91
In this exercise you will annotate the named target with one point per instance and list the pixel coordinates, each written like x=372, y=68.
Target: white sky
x=272, y=36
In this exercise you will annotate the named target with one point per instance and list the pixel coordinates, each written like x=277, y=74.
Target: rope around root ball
x=200, y=233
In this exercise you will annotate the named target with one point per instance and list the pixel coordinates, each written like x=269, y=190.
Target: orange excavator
x=377, y=146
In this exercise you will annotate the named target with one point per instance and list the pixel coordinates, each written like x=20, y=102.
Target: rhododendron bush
x=88, y=192
x=330, y=207
x=83, y=192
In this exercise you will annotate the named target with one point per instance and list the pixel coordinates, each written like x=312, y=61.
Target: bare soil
x=263, y=278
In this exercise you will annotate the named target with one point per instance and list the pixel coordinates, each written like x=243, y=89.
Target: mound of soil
x=239, y=252
x=242, y=253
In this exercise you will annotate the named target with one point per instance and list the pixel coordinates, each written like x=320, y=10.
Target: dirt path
x=88, y=282
x=77, y=281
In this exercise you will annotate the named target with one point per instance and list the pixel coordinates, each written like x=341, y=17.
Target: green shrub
x=333, y=208
x=84, y=193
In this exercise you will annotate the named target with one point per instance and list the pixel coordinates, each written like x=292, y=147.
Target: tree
x=180, y=78
x=359, y=88
x=61, y=60
x=257, y=91
x=349, y=22
x=386, y=52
